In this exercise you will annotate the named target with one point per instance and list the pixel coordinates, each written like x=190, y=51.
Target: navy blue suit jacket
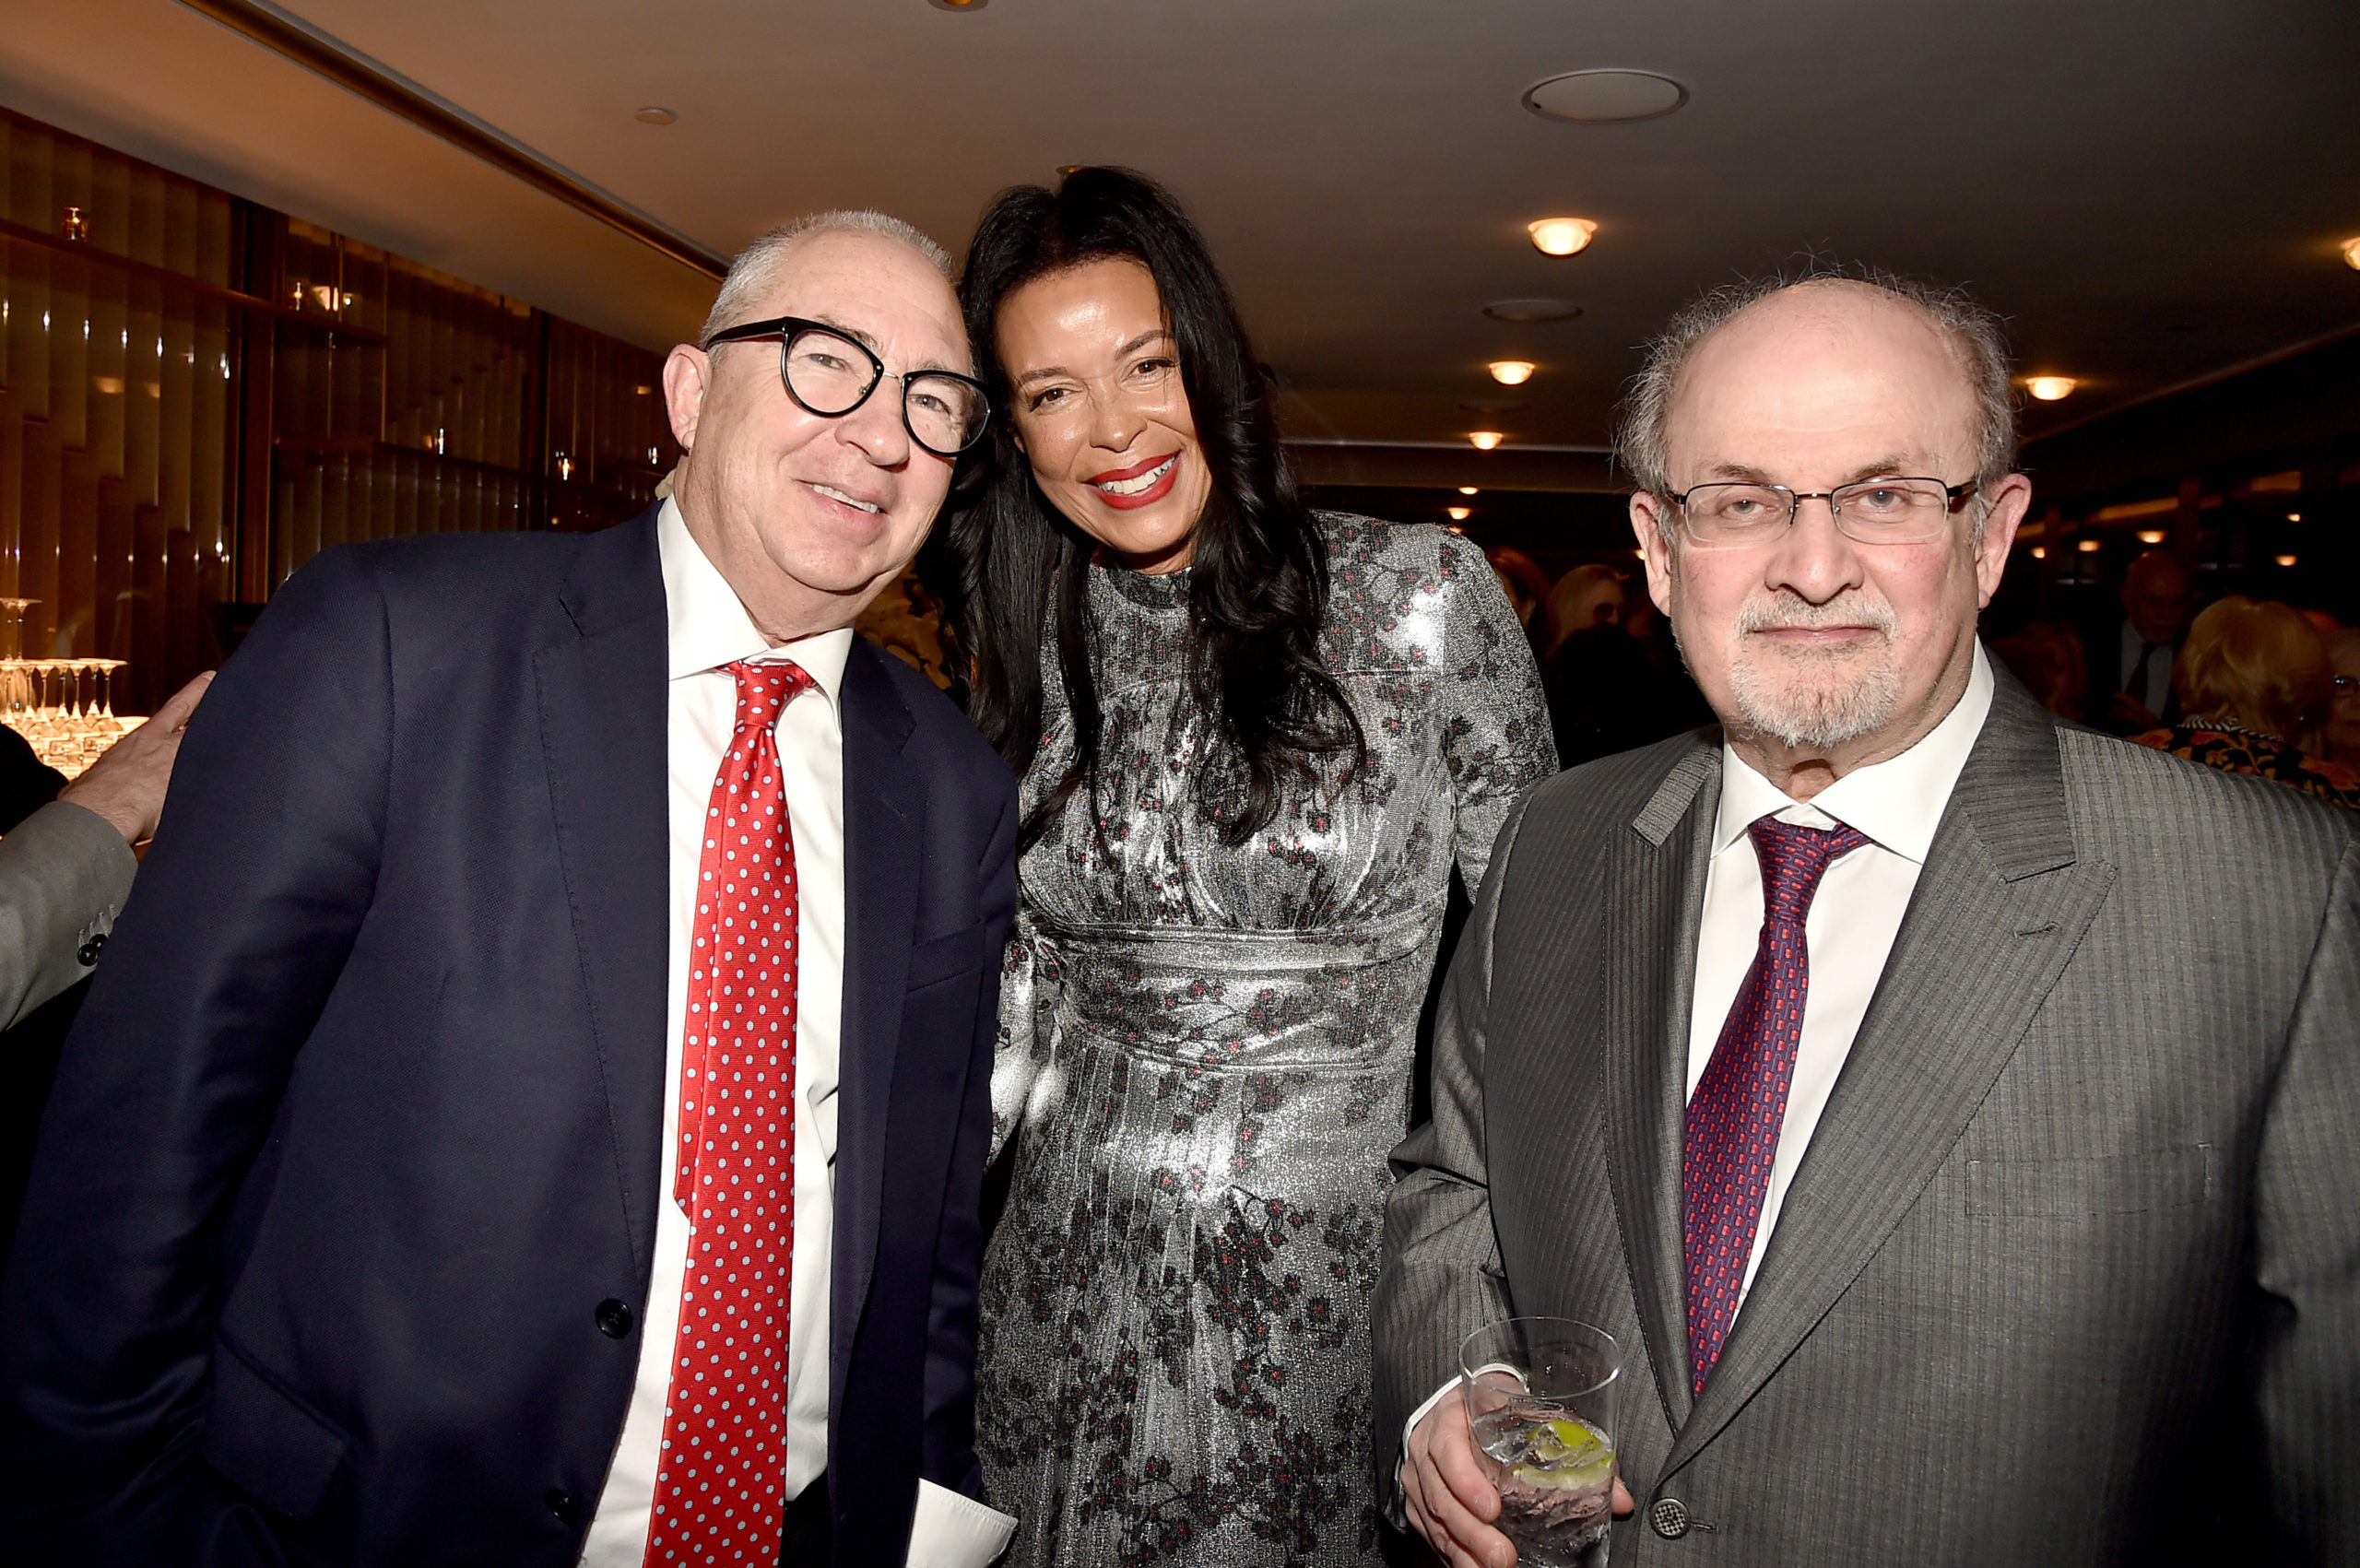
x=354, y=1151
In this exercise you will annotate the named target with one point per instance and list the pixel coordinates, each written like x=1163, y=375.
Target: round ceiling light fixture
x=1532, y=309
x=2351, y=254
x=1460, y=513
x=1485, y=440
x=1512, y=373
x=1468, y=489
x=1605, y=97
x=1561, y=236
x=2049, y=389
x=651, y=116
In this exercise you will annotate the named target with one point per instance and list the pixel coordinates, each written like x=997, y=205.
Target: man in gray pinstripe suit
x=1954, y=1114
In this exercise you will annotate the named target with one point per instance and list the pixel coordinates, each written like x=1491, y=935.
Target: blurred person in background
x=2131, y=660
x=1614, y=679
x=2339, y=737
x=2252, y=680
x=2047, y=656
x=1527, y=591
x=1586, y=597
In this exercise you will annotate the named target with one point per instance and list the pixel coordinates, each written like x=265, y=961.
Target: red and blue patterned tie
x=1740, y=1103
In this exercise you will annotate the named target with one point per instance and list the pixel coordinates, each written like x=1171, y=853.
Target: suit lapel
x=603, y=712
x=884, y=821
x=1998, y=912
x=1659, y=868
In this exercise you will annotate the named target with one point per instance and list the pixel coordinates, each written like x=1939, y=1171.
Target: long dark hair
x=1258, y=584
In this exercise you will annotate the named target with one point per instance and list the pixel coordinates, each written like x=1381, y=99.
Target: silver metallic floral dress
x=1205, y=1054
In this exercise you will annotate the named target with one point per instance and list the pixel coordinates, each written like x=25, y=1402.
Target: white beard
x=1805, y=699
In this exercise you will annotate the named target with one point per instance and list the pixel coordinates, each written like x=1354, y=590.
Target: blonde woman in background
x=2253, y=680
x=1584, y=598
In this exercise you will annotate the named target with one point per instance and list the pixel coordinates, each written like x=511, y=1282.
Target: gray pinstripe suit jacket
x=2070, y=1273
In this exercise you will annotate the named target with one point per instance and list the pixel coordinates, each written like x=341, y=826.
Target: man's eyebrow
x=1051, y=372
x=863, y=339
x=868, y=342
x=1746, y=474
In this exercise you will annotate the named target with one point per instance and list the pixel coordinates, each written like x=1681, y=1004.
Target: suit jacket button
x=88, y=952
x=613, y=1318
x=1670, y=1517
x=562, y=1503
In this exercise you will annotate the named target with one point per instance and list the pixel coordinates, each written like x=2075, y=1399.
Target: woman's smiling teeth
x=1138, y=485
x=835, y=495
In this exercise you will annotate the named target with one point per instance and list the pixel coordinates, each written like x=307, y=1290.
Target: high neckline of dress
x=1165, y=590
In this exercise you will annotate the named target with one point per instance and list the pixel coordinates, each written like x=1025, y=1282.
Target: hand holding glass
x=1540, y=1395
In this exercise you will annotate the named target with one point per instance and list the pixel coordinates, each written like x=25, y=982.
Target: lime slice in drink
x=1566, y=1456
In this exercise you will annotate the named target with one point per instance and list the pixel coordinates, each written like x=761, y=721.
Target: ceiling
x=2151, y=194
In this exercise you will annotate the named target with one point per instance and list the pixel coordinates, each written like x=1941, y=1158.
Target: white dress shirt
x=1898, y=804
x=709, y=628
x=1855, y=915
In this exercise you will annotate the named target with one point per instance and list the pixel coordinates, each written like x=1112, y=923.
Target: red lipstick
x=1147, y=497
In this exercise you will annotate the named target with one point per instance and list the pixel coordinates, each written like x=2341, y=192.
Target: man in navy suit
x=419, y=1187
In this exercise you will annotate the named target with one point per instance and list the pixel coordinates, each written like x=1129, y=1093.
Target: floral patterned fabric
x=1204, y=1057
x=2242, y=752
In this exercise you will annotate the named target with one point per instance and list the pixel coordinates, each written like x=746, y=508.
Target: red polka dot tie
x=717, y=1485
x=1740, y=1105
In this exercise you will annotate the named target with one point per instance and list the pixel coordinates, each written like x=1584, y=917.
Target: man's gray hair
x=756, y=266
x=1974, y=333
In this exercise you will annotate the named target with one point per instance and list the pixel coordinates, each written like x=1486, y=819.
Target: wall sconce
x=77, y=224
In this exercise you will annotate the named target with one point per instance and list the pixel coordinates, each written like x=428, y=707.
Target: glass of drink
x=1539, y=1395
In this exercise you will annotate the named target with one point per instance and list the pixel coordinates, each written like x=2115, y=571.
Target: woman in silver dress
x=1253, y=743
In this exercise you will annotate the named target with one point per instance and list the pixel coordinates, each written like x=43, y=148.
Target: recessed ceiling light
x=2091, y=547
x=1605, y=97
x=1485, y=440
x=1532, y=309
x=2151, y=535
x=1512, y=373
x=2039, y=553
x=2351, y=254
x=2049, y=389
x=1460, y=513
x=958, y=5
x=2293, y=517
x=1561, y=236
x=2284, y=559
x=1468, y=489
x=651, y=116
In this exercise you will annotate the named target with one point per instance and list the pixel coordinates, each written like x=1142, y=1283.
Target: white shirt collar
x=1898, y=802
x=708, y=626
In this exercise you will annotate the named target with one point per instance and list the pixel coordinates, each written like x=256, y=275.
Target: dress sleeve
x=1028, y=990
x=1496, y=741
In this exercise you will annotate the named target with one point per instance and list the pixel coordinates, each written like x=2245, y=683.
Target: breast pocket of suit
x=2141, y=1183
x=948, y=957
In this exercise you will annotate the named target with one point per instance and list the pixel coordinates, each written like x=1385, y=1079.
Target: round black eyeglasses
x=831, y=374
